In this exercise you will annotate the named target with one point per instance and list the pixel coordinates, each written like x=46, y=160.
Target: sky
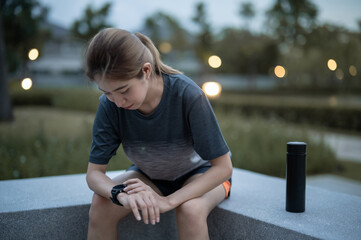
x=130, y=15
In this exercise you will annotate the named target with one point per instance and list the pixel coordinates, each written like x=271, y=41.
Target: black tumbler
x=296, y=177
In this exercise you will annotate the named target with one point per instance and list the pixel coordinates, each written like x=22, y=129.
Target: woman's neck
x=154, y=95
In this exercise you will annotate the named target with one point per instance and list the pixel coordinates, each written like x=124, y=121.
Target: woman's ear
x=147, y=70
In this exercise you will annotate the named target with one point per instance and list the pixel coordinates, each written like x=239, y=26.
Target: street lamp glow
x=214, y=61
x=280, y=71
x=331, y=64
x=33, y=54
x=26, y=83
x=212, y=89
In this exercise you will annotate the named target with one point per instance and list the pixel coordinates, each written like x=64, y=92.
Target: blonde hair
x=119, y=54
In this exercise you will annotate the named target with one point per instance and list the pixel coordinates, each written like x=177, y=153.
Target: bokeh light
x=212, y=89
x=352, y=70
x=33, y=54
x=214, y=61
x=280, y=71
x=165, y=47
x=331, y=64
x=339, y=74
x=333, y=101
x=26, y=83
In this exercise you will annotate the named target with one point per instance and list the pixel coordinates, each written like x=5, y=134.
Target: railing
x=57, y=208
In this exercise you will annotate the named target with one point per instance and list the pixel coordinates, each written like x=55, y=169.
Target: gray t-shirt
x=180, y=135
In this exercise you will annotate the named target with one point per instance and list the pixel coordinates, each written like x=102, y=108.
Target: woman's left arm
x=220, y=171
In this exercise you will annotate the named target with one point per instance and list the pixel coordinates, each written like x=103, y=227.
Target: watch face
x=120, y=186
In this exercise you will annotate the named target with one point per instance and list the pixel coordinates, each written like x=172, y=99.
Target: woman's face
x=128, y=94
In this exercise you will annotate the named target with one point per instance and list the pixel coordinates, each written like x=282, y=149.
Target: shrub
x=259, y=145
x=322, y=114
x=83, y=99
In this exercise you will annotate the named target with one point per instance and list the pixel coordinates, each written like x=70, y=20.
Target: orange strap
x=227, y=187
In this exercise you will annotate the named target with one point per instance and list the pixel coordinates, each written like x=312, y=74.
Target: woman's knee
x=97, y=208
x=192, y=210
x=104, y=211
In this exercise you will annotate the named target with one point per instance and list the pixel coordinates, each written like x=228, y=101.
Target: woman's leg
x=192, y=215
x=104, y=215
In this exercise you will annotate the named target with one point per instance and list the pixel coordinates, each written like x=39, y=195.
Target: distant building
x=60, y=62
x=61, y=54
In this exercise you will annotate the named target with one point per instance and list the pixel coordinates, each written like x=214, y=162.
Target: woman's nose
x=119, y=101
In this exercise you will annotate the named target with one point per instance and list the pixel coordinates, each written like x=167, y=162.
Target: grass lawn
x=64, y=124
x=44, y=141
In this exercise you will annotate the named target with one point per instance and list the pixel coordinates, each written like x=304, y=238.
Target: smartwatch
x=115, y=191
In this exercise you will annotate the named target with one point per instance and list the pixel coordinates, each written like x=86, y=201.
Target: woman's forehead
x=108, y=84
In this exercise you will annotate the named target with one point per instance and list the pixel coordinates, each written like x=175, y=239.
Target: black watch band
x=115, y=191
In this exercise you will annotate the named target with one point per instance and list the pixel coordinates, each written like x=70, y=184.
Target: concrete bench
x=57, y=208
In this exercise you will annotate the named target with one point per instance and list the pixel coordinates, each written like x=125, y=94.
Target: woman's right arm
x=101, y=184
x=98, y=181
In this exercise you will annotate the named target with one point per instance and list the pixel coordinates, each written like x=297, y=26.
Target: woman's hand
x=135, y=186
x=143, y=201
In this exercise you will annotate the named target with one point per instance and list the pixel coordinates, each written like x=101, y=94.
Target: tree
x=161, y=27
x=92, y=21
x=20, y=31
x=247, y=12
x=6, y=113
x=204, y=39
x=290, y=20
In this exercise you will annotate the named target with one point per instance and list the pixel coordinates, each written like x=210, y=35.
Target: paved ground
x=336, y=184
x=346, y=148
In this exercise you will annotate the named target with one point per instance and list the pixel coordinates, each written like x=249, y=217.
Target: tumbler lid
x=296, y=147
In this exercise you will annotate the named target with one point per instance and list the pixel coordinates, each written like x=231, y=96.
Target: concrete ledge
x=57, y=208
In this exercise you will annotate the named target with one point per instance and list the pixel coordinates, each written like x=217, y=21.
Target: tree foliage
x=291, y=20
x=92, y=21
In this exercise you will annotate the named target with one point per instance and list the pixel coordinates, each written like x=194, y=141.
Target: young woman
x=168, y=131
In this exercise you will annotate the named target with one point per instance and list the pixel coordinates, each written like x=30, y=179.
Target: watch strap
x=115, y=191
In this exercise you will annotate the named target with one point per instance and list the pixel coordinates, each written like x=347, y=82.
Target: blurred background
x=274, y=70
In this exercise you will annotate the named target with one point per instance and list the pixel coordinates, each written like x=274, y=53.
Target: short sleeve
x=207, y=136
x=106, y=135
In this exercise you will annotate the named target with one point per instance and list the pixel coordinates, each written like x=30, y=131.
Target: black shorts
x=169, y=187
